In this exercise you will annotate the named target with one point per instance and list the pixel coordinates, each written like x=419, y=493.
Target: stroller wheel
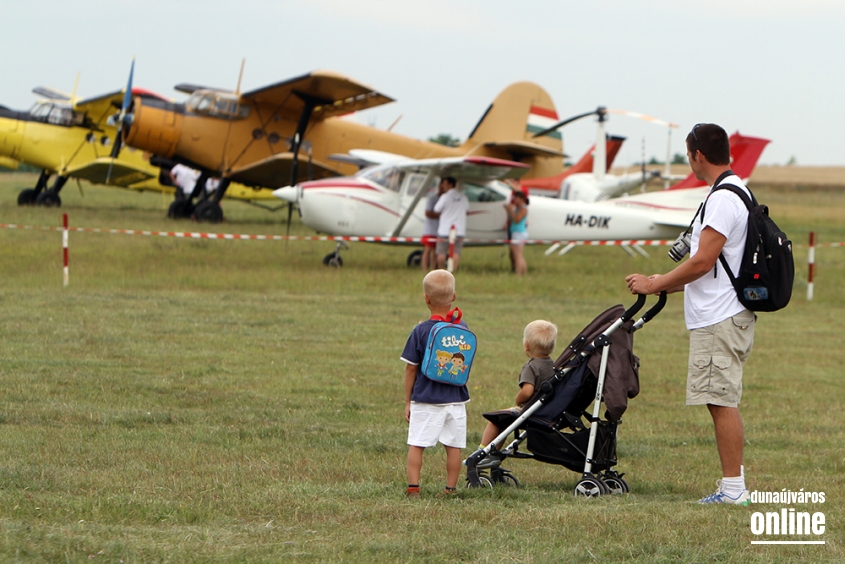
x=484, y=481
x=590, y=487
x=616, y=485
x=504, y=478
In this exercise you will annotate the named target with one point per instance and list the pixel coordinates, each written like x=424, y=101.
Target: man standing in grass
x=435, y=412
x=721, y=328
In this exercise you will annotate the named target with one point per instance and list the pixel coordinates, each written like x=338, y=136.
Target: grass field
x=235, y=401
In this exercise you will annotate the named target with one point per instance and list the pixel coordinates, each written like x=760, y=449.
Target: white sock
x=733, y=486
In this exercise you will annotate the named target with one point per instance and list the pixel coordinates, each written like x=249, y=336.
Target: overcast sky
x=769, y=68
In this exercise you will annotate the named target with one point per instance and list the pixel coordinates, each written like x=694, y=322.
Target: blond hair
x=439, y=286
x=540, y=336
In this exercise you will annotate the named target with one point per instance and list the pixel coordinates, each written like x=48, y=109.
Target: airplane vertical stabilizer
x=745, y=152
x=508, y=126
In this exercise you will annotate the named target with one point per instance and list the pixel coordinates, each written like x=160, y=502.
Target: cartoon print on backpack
x=443, y=358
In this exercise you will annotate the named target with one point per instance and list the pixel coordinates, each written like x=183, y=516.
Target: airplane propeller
x=121, y=120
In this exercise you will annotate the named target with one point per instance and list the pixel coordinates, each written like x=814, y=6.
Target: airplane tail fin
x=584, y=164
x=745, y=152
x=507, y=128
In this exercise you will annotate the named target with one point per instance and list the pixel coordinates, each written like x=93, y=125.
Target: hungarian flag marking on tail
x=540, y=119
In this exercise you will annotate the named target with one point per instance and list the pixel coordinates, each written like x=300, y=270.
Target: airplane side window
x=204, y=104
x=476, y=193
x=389, y=178
x=41, y=111
x=243, y=111
x=60, y=116
x=416, y=182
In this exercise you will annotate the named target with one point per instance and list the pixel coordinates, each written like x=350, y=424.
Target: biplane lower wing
x=106, y=170
x=276, y=171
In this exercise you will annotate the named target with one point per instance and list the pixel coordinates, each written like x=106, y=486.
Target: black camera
x=681, y=246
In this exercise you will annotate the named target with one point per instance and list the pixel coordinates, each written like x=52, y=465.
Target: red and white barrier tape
x=348, y=238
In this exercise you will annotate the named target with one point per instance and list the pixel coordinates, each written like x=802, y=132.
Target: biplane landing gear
x=208, y=211
x=334, y=259
x=49, y=199
x=29, y=196
x=415, y=258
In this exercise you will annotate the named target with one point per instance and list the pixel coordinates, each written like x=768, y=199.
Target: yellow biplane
x=259, y=138
x=76, y=139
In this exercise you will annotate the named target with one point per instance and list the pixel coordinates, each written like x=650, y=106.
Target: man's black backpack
x=767, y=271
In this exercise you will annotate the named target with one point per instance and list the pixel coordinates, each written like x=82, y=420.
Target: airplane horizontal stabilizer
x=522, y=149
x=121, y=174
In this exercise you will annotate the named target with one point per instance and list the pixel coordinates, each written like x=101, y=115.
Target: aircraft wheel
x=209, y=212
x=415, y=258
x=49, y=199
x=180, y=209
x=332, y=259
x=26, y=197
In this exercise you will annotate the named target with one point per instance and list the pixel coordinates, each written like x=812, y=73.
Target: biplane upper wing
x=333, y=93
x=100, y=108
x=276, y=170
x=116, y=171
x=51, y=93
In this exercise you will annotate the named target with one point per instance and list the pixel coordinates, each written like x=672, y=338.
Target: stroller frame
x=597, y=477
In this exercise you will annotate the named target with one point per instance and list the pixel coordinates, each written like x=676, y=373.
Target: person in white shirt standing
x=721, y=328
x=452, y=207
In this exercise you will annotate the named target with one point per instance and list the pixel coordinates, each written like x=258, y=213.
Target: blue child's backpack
x=450, y=351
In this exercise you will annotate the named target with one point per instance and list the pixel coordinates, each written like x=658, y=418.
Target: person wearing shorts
x=435, y=412
x=517, y=211
x=452, y=207
x=721, y=328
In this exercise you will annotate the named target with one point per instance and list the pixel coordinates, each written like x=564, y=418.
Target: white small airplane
x=385, y=201
x=593, y=183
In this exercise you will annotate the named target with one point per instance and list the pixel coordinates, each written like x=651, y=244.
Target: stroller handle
x=649, y=315
x=632, y=311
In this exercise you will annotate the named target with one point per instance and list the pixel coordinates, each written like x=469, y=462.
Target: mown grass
x=236, y=401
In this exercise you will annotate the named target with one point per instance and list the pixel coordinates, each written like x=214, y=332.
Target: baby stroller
x=554, y=423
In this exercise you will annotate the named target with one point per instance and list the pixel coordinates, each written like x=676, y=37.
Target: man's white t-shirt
x=186, y=177
x=452, y=207
x=712, y=299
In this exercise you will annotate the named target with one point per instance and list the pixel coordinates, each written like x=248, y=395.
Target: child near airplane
x=435, y=412
x=538, y=340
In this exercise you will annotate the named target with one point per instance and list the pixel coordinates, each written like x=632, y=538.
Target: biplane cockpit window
x=40, y=110
x=213, y=104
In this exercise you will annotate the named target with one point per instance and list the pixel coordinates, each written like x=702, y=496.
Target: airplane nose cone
x=288, y=193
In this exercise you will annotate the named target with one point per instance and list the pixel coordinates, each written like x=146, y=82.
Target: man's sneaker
x=413, y=491
x=721, y=497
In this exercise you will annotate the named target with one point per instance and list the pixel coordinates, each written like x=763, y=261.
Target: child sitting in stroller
x=538, y=339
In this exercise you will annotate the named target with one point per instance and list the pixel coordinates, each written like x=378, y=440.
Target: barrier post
x=811, y=265
x=65, y=271
x=452, y=235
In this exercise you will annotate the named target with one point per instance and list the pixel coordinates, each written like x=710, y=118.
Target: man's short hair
x=540, y=336
x=450, y=180
x=712, y=141
x=439, y=286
